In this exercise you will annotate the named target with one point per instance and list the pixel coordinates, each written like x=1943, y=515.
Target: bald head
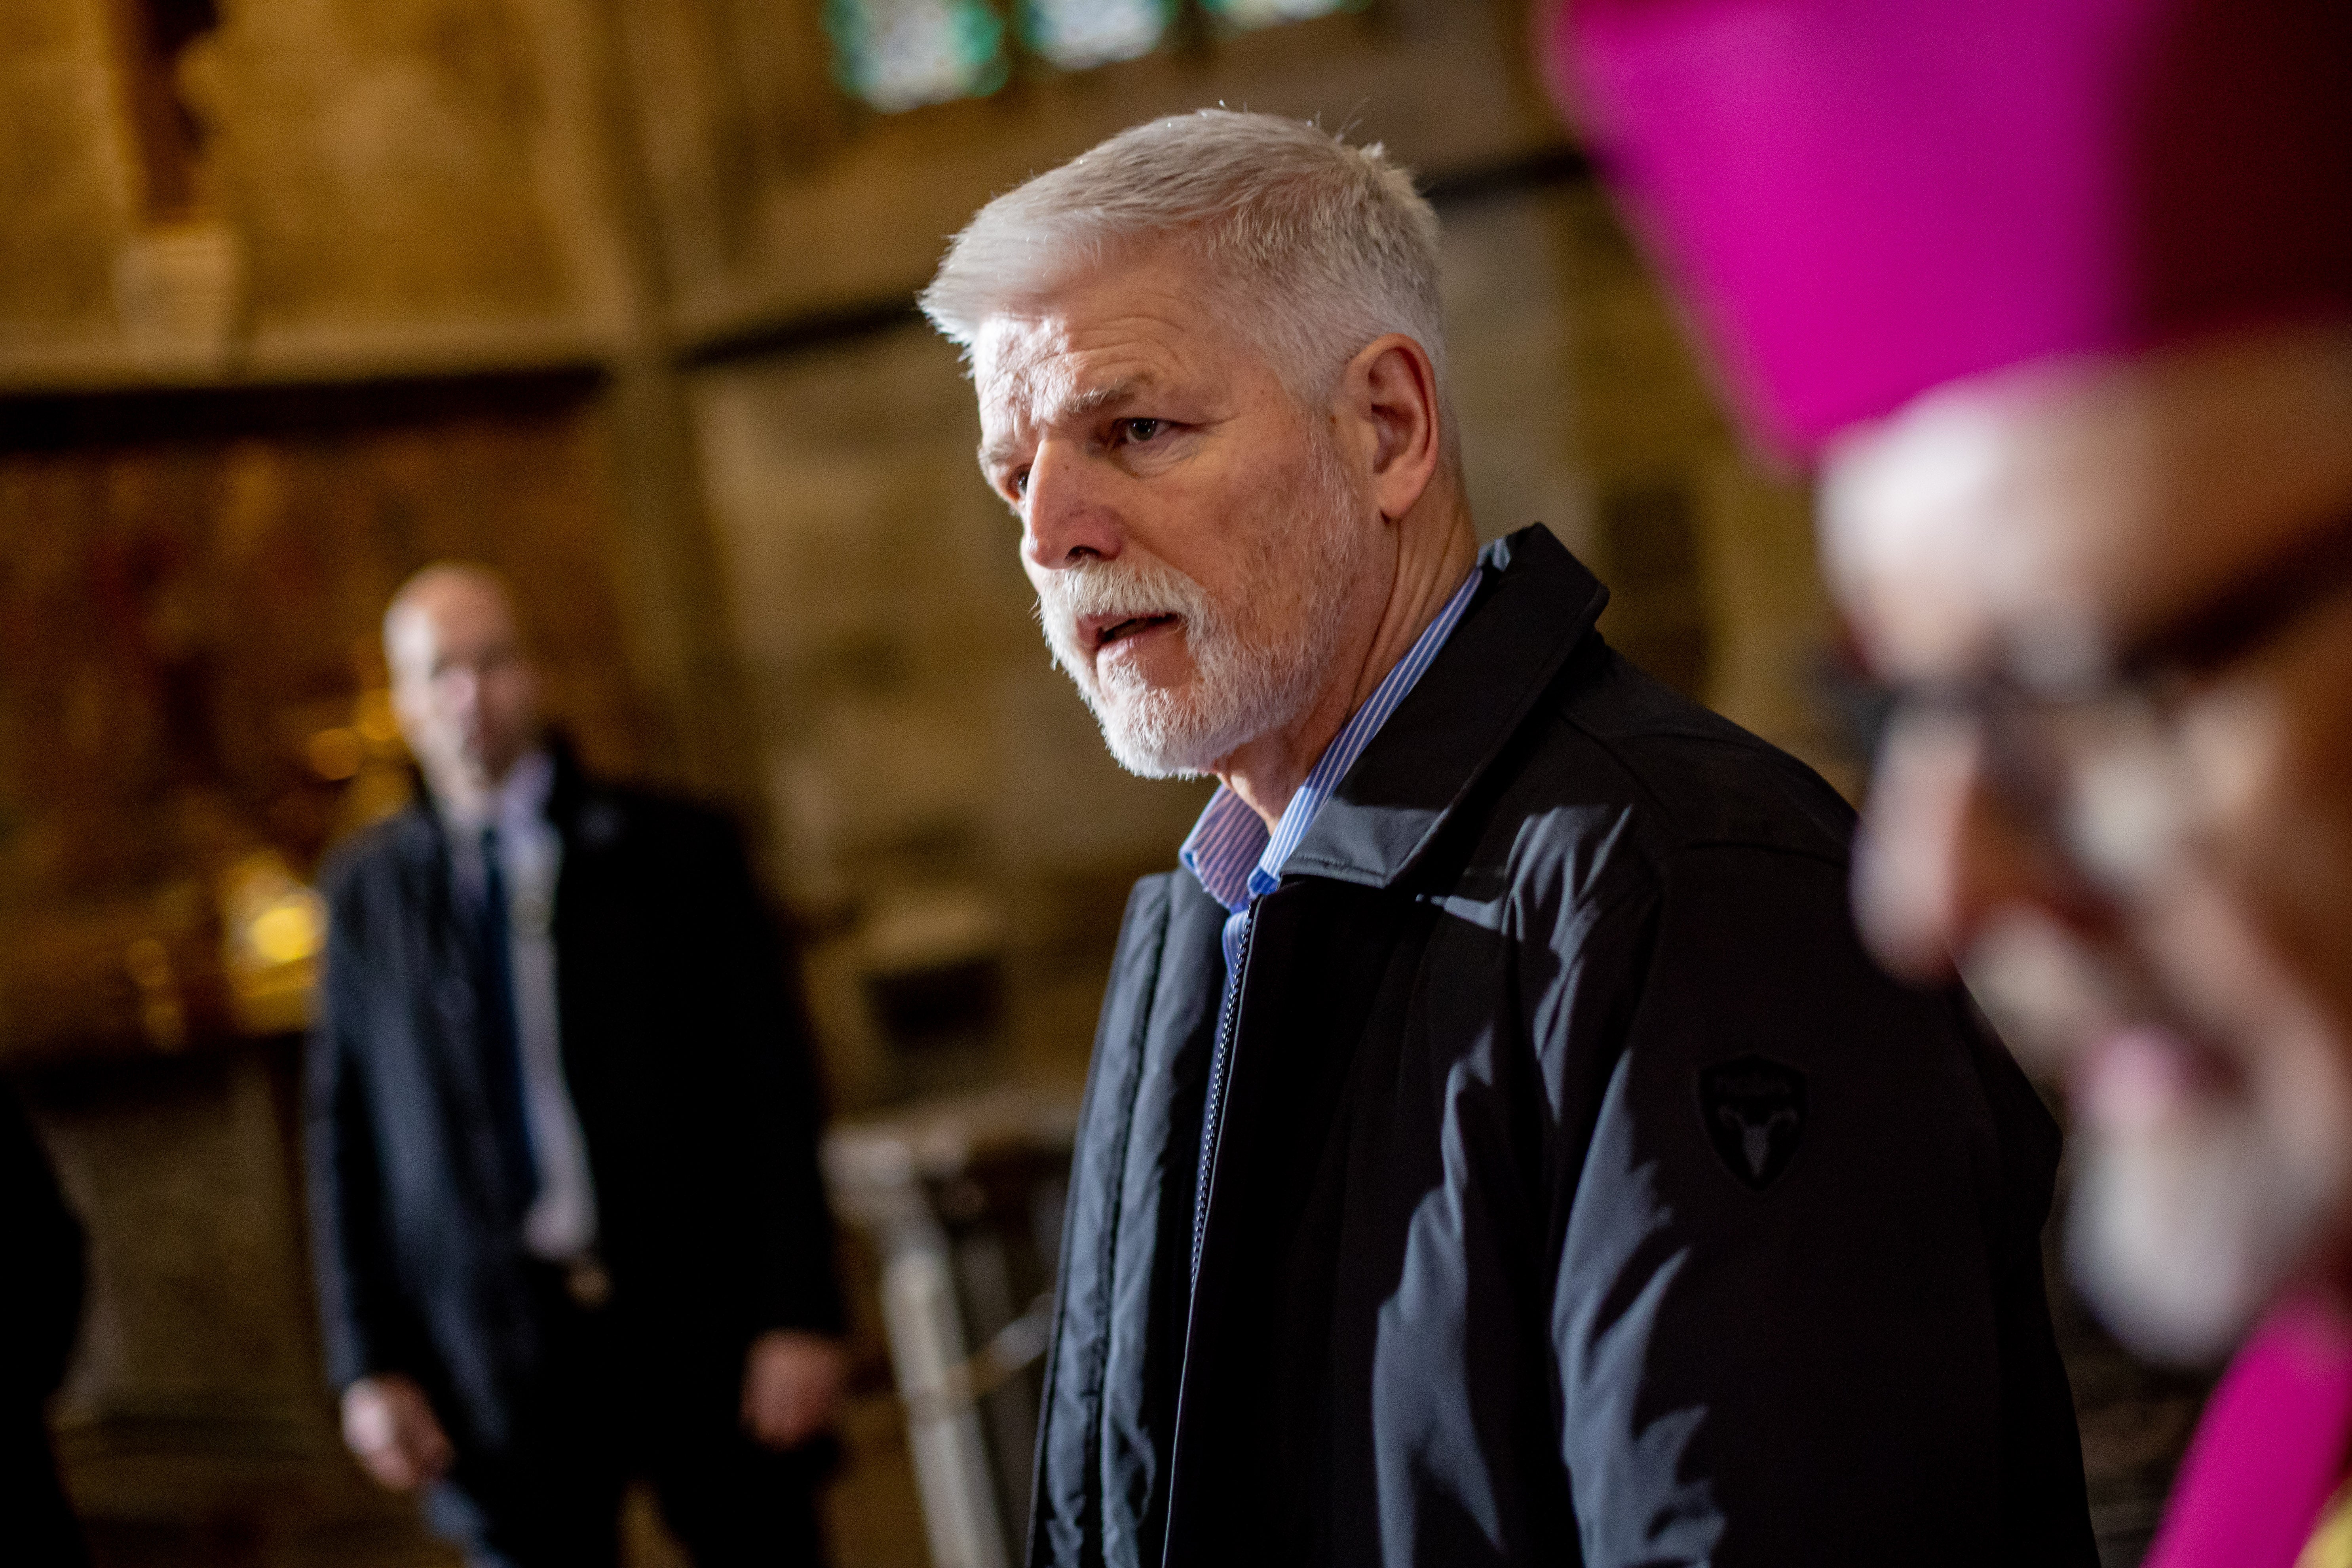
x=462, y=680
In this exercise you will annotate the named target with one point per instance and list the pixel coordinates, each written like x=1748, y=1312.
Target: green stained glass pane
x=1267, y=13
x=902, y=54
x=1076, y=34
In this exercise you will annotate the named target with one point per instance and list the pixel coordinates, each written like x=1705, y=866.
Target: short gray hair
x=1320, y=246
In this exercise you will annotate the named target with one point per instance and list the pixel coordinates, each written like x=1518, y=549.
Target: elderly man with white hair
x=1498, y=1148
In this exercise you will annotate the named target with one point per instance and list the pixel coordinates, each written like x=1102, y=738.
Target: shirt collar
x=1229, y=850
x=522, y=794
x=519, y=801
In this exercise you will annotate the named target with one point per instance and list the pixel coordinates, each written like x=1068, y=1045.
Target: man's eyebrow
x=1094, y=400
x=1079, y=405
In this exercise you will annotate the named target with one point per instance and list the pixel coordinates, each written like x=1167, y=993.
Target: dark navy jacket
x=41, y=1316
x=1582, y=1193
x=686, y=1056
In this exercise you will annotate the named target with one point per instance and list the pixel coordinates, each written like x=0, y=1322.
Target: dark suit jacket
x=40, y=1312
x=687, y=1055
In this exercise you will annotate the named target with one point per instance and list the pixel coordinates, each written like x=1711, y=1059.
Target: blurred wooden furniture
x=963, y=1200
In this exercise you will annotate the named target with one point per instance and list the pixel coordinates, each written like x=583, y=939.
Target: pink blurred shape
x=1865, y=198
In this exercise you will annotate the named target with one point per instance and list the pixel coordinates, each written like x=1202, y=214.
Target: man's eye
x=1019, y=483
x=1141, y=429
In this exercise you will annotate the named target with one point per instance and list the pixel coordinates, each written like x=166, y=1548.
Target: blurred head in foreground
x=2058, y=296
x=463, y=684
x=1209, y=356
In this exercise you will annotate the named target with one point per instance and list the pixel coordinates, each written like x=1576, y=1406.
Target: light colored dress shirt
x=562, y=1222
x=1233, y=856
x=1229, y=850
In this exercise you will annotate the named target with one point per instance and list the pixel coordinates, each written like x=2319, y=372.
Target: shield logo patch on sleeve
x=1754, y=1108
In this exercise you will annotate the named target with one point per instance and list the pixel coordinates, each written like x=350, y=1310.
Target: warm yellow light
x=336, y=753
x=272, y=930
x=288, y=932
x=378, y=725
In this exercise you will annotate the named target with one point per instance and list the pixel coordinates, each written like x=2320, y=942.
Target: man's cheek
x=2050, y=1001
x=1912, y=857
x=2266, y=906
x=2310, y=835
x=2275, y=1036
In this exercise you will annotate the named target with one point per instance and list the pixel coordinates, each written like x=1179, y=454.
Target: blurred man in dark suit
x=562, y=1140
x=40, y=1309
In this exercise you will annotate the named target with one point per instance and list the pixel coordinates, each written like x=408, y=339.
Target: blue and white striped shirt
x=1237, y=860
x=1229, y=849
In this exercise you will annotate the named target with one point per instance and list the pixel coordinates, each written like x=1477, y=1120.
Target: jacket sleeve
x=1787, y=1304
x=361, y=1311
x=797, y=1283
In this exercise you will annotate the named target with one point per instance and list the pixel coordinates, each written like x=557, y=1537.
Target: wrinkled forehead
x=1143, y=315
x=1948, y=566
x=459, y=616
x=1023, y=360
x=2040, y=523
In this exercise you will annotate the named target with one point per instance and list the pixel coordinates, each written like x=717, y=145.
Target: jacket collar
x=1535, y=605
x=572, y=788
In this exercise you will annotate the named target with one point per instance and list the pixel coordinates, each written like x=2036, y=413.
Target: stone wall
x=353, y=184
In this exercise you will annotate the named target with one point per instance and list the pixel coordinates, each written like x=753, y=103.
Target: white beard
x=1249, y=678
x=2179, y=1235
x=2188, y=1214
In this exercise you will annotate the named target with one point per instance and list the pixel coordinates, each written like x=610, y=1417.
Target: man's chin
x=1156, y=755
x=2204, y=1182
x=1173, y=732
x=2189, y=1213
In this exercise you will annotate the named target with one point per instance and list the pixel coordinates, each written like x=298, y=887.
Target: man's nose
x=1068, y=514
x=1937, y=853
x=461, y=689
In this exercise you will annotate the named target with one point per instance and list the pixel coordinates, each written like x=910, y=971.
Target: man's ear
x=1388, y=391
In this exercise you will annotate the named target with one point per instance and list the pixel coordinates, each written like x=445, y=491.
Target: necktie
x=501, y=1048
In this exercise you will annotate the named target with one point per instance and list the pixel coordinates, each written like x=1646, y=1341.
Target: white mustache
x=1120, y=588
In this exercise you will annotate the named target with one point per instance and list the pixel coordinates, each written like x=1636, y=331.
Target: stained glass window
x=901, y=54
x=1267, y=13
x=1076, y=34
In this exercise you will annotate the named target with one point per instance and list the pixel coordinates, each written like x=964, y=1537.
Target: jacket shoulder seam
x=1681, y=843
x=1755, y=846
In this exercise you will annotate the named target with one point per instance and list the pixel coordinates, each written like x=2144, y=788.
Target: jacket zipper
x=1213, y=1109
